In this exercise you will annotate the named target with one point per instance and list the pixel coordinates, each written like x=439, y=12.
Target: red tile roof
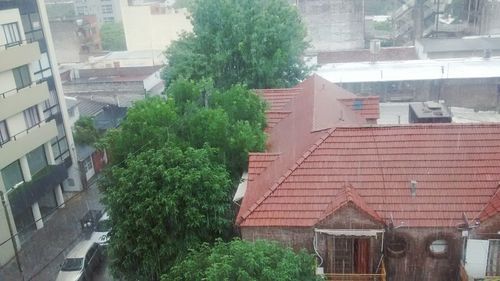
x=297, y=117
x=456, y=166
x=366, y=107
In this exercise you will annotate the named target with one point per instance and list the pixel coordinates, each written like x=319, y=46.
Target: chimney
x=413, y=188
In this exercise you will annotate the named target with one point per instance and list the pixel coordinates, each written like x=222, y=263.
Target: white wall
x=144, y=31
x=7, y=82
x=152, y=80
x=16, y=124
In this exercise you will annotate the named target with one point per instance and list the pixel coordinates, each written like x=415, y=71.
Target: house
x=395, y=202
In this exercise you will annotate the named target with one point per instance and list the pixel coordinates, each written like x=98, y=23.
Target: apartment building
x=104, y=10
x=37, y=153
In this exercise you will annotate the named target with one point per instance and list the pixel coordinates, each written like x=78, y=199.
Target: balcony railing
x=381, y=275
x=28, y=193
x=20, y=134
x=14, y=44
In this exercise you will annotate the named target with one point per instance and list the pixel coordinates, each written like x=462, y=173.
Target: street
x=42, y=255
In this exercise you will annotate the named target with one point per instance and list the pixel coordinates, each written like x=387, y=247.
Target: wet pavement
x=42, y=255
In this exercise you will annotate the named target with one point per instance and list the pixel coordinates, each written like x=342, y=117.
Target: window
x=11, y=33
x=22, y=76
x=37, y=160
x=31, y=117
x=438, y=247
x=81, y=11
x=493, y=265
x=12, y=175
x=107, y=9
x=41, y=68
x=87, y=164
x=4, y=133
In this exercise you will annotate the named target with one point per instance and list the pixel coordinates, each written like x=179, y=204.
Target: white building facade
x=37, y=152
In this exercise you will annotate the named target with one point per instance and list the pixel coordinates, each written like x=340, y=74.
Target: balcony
x=17, y=100
x=25, y=141
x=26, y=194
x=381, y=275
x=17, y=54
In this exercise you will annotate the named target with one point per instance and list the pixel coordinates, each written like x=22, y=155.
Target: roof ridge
x=482, y=214
x=304, y=156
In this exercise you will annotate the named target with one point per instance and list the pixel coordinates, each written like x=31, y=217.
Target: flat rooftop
x=407, y=70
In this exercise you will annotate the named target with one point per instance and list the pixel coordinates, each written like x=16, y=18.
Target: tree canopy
x=163, y=202
x=259, y=43
x=113, y=37
x=244, y=261
x=85, y=131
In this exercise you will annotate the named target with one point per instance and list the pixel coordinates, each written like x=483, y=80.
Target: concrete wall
x=478, y=93
x=491, y=19
x=416, y=264
x=147, y=31
x=66, y=42
x=333, y=24
x=109, y=87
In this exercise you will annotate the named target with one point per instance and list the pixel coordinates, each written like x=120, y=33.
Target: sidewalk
x=41, y=256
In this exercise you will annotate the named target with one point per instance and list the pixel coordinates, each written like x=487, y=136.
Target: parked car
x=81, y=262
x=101, y=231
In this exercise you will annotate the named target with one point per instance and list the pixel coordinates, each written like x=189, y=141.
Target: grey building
x=37, y=156
x=104, y=10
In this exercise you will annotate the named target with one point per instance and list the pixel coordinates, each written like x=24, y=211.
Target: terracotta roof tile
x=456, y=166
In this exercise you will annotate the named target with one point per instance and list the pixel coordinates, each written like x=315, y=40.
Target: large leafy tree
x=113, y=37
x=85, y=131
x=244, y=261
x=255, y=42
x=163, y=202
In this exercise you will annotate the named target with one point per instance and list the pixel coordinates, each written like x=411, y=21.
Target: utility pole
x=14, y=242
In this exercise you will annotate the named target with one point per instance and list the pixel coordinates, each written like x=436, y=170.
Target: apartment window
x=22, y=76
x=11, y=33
x=12, y=175
x=4, y=133
x=37, y=160
x=41, y=68
x=81, y=11
x=107, y=9
x=31, y=117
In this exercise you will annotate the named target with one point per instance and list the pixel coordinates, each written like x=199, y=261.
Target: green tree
x=163, y=202
x=259, y=43
x=85, y=131
x=244, y=261
x=231, y=121
x=113, y=37
x=149, y=124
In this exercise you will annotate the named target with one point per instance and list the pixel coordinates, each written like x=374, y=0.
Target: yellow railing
x=381, y=275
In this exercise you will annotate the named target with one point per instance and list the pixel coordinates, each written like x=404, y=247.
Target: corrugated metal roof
x=456, y=167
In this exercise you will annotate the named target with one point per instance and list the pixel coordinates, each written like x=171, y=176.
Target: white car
x=101, y=232
x=81, y=262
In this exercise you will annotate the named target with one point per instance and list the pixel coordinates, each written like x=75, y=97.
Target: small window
x=439, y=247
x=31, y=117
x=107, y=9
x=22, y=76
x=4, y=133
x=12, y=175
x=36, y=160
x=11, y=33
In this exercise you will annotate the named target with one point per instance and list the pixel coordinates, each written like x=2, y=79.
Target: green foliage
x=149, y=124
x=85, y=132
x=254, y=42
x=113, y=37
x=384, y=26
x=163, y=202
x=244, y=261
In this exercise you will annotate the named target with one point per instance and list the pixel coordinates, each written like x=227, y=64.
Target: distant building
x=105, y=10
x=428, y=112
x=37, y=152
x=333, y=24
x=150, y=25
x=127, y=59
x=115, y=86
x=478, y=46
